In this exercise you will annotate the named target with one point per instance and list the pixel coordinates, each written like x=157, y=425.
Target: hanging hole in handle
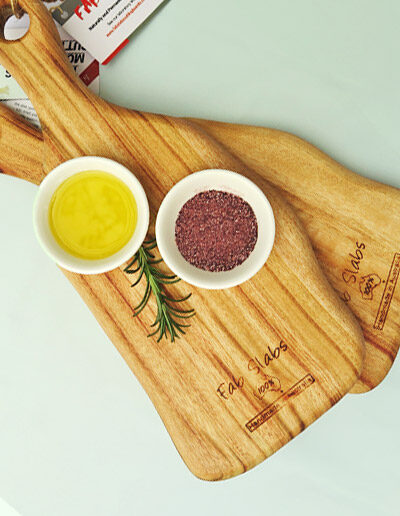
x=14, y=22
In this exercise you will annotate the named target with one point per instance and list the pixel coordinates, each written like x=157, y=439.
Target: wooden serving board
x=352, y=221
x=261, y=361
x=353, y=224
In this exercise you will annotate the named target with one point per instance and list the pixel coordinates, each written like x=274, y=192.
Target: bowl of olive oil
x=91, y=215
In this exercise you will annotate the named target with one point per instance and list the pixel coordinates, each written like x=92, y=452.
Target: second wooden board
x=353, y=224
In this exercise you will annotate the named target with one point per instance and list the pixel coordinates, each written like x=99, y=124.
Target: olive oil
x=93, y=215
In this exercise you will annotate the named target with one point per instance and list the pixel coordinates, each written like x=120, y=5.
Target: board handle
x=21, y=148
x=39, y=64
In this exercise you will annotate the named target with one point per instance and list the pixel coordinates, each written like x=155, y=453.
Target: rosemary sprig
x=168, y=316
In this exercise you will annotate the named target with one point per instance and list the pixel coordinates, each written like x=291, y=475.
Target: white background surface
x=78, y=436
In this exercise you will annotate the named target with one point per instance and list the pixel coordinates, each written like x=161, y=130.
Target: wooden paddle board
x=352, y=221
x=261, y=361
x=353, y=224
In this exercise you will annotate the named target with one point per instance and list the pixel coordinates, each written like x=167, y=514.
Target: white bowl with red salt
x=215, y=229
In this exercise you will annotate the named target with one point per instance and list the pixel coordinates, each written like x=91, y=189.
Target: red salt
x=216, y=231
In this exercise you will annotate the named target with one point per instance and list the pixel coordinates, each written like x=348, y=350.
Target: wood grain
x=21, y=148
x=337, y=207
x=288, y=310
x=353, y=224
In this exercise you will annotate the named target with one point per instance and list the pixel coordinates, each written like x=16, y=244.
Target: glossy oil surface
x=93, y=215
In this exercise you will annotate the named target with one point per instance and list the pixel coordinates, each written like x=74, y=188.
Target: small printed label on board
x=278, y=404
x=388, y=293
x=360, y=281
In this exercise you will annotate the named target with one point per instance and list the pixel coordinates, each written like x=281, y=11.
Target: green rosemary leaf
x=138, y=279
x=166, y=323
x=182, y=314
x=181, y=300
x=155, y=323
x=161, y=275
x=155, y=262
x=180, y=326
x=134, y=260
x=128, y=269
x=174, y=307
x=177, y=324
x=154, y=332
x=150, y=245
x=144, y=300
x=169, y=282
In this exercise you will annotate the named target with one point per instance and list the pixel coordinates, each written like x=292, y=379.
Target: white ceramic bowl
x=226, y=181
x=41, y=215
